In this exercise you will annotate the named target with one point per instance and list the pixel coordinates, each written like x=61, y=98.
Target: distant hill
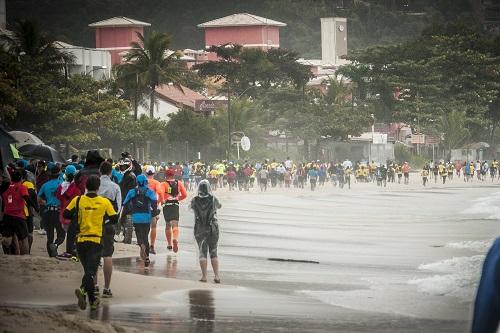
x=369, y=22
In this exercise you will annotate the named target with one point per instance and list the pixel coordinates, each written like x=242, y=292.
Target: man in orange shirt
x=172, y=191
x=156, y=187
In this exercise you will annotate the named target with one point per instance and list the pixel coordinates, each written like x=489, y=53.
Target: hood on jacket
x=204, y=189
x=142, y=181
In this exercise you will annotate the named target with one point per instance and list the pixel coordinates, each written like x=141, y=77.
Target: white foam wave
x=478, y=246
x=486, y=207
x=460, y=281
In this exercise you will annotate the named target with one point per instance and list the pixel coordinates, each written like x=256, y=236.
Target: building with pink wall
x=245, y=29
x=116, y=34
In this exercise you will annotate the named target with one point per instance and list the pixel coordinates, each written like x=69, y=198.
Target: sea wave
x=459, y=279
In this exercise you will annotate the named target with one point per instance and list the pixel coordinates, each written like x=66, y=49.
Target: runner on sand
x=206, y=229
x=156, y=187
x=90, y=211
x=173, y=191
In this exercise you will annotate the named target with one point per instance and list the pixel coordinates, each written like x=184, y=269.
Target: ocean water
x=393, y=252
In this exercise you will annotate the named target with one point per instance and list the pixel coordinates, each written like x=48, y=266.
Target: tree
x=453, y=128
x=186, y=125
x=153, y=64
x=447, y=67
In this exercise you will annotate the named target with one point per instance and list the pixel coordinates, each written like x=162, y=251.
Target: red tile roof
x=186, y=97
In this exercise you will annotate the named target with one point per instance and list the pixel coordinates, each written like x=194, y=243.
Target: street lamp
x=229, y=117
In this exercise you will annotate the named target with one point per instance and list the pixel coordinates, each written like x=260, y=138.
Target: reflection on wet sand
x=171, y=266
x=202, y=311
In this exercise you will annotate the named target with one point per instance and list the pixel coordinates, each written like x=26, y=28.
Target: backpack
x=141, y=202
x=13, y=200
x=204, y=211
x=173, y=188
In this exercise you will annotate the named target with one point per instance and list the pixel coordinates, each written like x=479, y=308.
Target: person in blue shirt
x=313, y=177
x=186, y=170
x=141, y=203
x=50, y=215
x=487, y=305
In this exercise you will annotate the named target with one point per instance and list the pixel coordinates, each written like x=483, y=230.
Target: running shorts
x=108, y=240
x=14, y=226
x=171, y=211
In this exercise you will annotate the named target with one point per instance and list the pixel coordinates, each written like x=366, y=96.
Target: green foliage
x=189, y=126
x=453, y=128
x=447, y=68
x=152, y=65
x=370, y=22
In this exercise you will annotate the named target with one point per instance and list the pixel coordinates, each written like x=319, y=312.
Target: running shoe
x=169, y=248
x=176, y=245
x=81, y=295
x=95, y=304
x=106, y=293
x=152, y=249
x=41, y=232
x=147, y=262
x=53, y=250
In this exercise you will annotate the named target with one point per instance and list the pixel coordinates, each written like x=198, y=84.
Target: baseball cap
x=150, y=170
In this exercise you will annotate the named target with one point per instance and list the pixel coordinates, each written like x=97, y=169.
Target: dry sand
x=37, y=280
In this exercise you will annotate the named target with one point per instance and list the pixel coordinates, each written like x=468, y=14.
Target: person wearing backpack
x=90, y=210
x=174, y=191
x=206, y=229
x=66, y=191
x=14, y=197
x=50, y=217
x=142, y=204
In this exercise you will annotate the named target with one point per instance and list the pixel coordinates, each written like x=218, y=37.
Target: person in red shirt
x=156, y=187
x=14, y=197
x=66, y=191
x=173, y=191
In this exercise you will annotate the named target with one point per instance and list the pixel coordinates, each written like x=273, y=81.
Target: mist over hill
x=369, y=22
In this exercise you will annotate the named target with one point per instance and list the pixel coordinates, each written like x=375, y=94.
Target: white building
x=169, y=100
x=94, y=62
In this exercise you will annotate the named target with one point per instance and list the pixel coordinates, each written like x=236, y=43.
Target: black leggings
x=51, y=222
x=90, y=256
x=142, y=233
x=71, y=237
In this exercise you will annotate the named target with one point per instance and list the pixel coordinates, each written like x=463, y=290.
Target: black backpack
x=173, y=188
x=141, y=203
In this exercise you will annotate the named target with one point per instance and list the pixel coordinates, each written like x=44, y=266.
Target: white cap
x=150, y=170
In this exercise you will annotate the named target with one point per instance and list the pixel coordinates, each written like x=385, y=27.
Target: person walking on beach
x=263, y=176
x=406, y=172
x=313, y=177
x=173, y=191
x=154, y=186
x=47, y=197
x=112, y=192
x=90, y=210
x=425, y=174
x=14, y=198
x=66, y=191
x=206, y=229
x=142, y=204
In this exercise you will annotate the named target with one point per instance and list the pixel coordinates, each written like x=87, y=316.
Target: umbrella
x=42, y=152
x=6, y=153
x=24, y=138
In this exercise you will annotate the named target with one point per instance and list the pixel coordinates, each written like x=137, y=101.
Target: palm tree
x=36, y=49
x=153, y=64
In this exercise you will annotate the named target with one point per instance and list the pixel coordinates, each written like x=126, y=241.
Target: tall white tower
x=3, y=16
x=333, y=39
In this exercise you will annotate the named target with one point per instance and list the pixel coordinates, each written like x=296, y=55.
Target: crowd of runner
x=88, y=202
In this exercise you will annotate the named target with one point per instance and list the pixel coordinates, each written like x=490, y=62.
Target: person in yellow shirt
x=28, y=211
x=425, y=174
x=90, y=211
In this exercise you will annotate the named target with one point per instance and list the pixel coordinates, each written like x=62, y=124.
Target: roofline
x=204, y=25
x=102, y=24
x=209, y=25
